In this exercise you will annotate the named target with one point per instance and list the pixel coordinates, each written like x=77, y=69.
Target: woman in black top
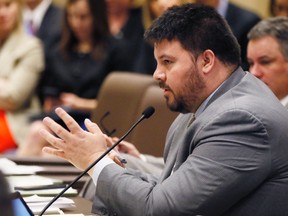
x=77, y=68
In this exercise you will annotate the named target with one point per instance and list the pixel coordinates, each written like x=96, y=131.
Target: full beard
x=187, y=100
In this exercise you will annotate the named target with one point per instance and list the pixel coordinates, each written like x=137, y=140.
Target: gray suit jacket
x=233, y=160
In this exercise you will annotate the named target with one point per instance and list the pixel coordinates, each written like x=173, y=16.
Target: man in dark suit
x=43, y=19
x=226, y=154
x=240, y=21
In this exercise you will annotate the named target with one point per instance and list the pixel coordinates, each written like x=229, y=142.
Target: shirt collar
x=284, y=101
x=203, y=105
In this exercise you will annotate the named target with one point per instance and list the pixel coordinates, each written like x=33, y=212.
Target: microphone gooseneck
x=145, y=115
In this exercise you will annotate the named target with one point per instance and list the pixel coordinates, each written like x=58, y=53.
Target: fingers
x=53, y=140
x=109, y=141
x=60, y=132
x=71, y=124
x=115, y=157
x=56, y=152
x=57, y=129
x=92, y=127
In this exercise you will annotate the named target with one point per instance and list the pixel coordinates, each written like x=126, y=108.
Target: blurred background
x=261, y=7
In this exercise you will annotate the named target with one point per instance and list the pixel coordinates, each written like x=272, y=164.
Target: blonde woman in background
x=21, y=60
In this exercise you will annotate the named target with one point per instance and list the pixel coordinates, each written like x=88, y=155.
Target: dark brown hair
x=197, y=28
x=100, y=31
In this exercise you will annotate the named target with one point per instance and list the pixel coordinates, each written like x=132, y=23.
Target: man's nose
x=158, y=74
x=256, y=71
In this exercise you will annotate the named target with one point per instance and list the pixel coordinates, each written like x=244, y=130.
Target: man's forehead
x=170, y=49
x=166, y=48
x=167, y=45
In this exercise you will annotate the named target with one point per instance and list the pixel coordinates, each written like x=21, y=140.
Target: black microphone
x=145, y=115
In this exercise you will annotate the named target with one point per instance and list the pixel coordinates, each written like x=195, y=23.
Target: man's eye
x=265, y=62
x=167, y=62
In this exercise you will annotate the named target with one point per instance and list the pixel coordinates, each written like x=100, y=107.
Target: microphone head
x=148, y=112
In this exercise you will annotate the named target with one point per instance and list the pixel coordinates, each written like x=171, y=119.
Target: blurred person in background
x=279, y=7
x=240, y=21
x=21, y=60
x=42, y=19
x=268, y=55
x=77, y=68
x=126, y=26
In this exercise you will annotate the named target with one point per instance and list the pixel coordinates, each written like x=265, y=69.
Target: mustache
x=162, y=85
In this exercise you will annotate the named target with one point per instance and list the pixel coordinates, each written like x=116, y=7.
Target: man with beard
x=226, y=154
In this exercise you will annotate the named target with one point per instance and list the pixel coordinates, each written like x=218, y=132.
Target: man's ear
x=208, y=60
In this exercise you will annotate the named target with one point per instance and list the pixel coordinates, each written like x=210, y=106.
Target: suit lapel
x=173, y=146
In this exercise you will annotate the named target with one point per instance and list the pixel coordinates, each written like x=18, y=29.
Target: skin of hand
x=75, y=102
x=114, y=153
x=125, y=147
x=50, y=103
x=69, y=99
x=79, y=147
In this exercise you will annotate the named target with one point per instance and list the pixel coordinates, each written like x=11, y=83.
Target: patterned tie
x=30, y=27
x=192, y=119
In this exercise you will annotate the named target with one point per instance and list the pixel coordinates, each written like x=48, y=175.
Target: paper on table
x=52, y=210
x=49, y=192
x=9, y=167
x=36, y=201
x=67, y=214
x=31, y=180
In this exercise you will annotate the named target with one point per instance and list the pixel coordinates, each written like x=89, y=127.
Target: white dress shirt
x=35, y=16
x=284, y=101
x=222, y=7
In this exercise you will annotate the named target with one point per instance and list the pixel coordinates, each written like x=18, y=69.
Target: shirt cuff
x=143, y=158
x=100, y=166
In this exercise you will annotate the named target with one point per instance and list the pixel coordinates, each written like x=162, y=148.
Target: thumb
x=92, y=127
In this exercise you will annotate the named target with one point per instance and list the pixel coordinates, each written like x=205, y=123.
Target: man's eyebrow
x=166, y=56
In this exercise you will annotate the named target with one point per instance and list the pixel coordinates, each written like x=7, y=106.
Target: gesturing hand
x=79, y=147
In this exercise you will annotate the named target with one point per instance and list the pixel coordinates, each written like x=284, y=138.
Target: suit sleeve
x=230, y=158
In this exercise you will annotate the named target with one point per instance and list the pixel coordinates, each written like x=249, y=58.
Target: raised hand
x=76, y=145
